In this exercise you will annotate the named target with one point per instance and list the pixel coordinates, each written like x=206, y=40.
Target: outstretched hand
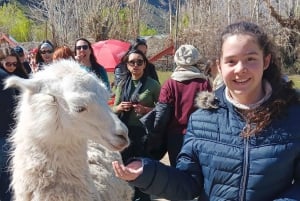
x=129, y=172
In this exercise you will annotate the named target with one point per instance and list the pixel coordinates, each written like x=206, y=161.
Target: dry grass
x=296, y=80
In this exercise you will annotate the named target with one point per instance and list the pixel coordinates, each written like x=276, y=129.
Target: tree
x=99, y=21
x=203, y=29
x=18, y=26
x=70, y=19
x=291, y=23
x=199, y=21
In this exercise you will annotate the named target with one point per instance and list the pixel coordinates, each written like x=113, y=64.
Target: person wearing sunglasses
x=84, y=54
x=44, y=54
x=120, y=70
x=7, y=121
x=19, y=50
x=11, y=63
x=135, y=96
x=141, y=44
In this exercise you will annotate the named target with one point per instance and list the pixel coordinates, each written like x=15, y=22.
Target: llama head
x=64, y=104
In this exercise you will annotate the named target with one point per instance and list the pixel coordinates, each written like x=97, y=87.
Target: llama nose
x=121, y=129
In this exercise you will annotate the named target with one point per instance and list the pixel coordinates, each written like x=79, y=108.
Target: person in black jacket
x=121, y=69
x=11, y=63
x=7, y=122
x=19, y=50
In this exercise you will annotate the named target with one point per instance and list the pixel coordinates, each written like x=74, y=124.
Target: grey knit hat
x=186, y=55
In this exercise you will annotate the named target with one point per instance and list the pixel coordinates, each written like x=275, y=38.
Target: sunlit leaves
x=14, y=22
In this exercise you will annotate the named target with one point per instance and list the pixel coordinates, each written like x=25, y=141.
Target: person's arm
x=166, y=95
x=104, y=77
x=152, y=72
x=184, y=182
x=140, y=109
x=7, y=104
x=293, y=193
x=119, y=73
x=117, y=99
x=154, y=88
x=156, y=178
x=119, y=105
x=156, y=122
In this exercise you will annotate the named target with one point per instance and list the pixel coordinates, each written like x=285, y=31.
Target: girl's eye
x=230, y=62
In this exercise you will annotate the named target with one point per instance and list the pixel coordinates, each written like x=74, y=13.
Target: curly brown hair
x=283, y=92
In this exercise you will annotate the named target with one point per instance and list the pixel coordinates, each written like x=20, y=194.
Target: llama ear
x=20, y=83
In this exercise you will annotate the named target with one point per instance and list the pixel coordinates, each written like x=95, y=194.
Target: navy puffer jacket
x=217, y=164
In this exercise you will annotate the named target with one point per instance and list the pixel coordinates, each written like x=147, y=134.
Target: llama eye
x=80, y=109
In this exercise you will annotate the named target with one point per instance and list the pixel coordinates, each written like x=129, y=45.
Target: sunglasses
x=46, y=52
x=84, y=47
x=9, y=64
x=138, y=62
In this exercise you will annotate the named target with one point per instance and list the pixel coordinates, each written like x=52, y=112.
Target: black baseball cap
x=19, y=50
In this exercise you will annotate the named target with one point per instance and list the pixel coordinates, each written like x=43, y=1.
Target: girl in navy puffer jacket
x=244, y=143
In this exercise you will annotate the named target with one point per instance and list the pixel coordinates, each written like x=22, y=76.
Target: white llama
x=59, y=110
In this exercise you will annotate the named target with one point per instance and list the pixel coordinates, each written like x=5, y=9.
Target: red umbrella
x=109, y=52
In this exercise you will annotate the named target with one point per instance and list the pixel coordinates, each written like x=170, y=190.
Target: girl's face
x=10, y=63
x=242, y=65
x=83, y=51
x=136, y=65
x=46, y=54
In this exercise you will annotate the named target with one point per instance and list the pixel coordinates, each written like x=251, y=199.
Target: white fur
x=60, y=109
x=111, y=187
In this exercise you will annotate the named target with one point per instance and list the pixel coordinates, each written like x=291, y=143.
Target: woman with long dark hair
x=135, y=96
x=11, y=63
x=84, y=54
x=43, y=55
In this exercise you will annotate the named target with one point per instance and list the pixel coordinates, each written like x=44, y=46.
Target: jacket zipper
x=245, y=169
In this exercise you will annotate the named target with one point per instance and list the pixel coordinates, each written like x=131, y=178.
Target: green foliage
x=38, y=32
x=14, y=22
x=147, y=31
x=185, y=21
x=124, y=14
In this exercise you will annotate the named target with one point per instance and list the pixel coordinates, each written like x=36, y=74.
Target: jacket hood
x=206, y=100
